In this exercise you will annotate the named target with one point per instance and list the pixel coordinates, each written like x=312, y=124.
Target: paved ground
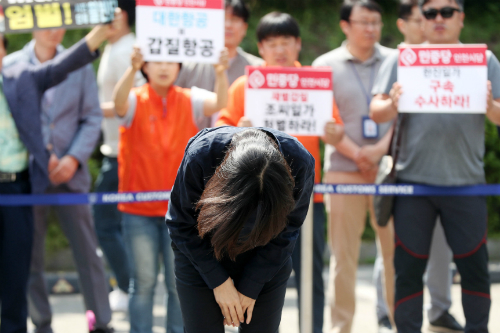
x=69, y=310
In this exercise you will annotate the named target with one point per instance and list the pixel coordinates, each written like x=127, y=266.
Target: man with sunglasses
x=441, y=150
x=438, y=278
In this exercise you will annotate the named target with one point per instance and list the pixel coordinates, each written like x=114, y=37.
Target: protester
x=158, y=121
x=355, y=159
x=280, y=45
x=439, y=274
x=203, y=75
x=457, y=141
x=252, y=189
x=114, y=62
x=23, y=131
x=71, y=120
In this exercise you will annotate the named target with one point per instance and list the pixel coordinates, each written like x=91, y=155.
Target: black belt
x=10, y=177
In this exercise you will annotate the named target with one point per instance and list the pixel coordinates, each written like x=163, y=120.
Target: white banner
x=180, y=30
x=297, y=101
x=443, y=78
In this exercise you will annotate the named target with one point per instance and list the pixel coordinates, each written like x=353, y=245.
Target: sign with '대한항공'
x=27, y=15
x=180, y=30
x=443, y=78
x=297, y=101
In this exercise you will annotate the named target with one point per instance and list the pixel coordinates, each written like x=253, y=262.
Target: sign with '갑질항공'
x=27, y=15
x=180, y=30
x=297, y=101
x=443, y=78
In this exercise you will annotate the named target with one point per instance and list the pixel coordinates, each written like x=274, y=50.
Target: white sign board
x=443, y=78
x=180, y=30
x=297, y=101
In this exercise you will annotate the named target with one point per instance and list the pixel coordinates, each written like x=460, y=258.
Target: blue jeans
x=145, y=238
x=108, y=225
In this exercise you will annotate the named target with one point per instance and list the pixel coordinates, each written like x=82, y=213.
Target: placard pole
x=306, y=281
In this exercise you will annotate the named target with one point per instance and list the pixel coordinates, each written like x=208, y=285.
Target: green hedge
x=319, y=21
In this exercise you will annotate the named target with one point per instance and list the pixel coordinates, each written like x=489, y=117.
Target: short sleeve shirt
x=440, y=149
x=352, y=83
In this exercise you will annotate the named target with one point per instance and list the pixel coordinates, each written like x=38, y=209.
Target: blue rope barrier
x=351, y=189
x=82, y=198
x=409, y=189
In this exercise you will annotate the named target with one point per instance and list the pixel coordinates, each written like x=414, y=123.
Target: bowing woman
x=234, y=216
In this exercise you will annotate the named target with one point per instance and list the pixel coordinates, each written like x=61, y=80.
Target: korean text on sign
x=25, y=16
x=181, y=30
x=297, y=101
x=443, y=78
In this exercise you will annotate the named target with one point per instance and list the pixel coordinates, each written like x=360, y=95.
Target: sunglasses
x=446, y=12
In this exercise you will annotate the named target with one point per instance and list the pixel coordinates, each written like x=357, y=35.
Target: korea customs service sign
x=443, y=78
x=297, y=101
x=180, y=30
x=28, y=15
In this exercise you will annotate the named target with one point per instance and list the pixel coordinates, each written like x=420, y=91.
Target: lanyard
x=368, y=95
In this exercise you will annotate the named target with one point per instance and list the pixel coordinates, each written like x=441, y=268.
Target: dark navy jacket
x=203, y=155
x=24, y=85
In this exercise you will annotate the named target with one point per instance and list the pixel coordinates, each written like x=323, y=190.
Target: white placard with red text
x=443, y=78
x=180, y=30
x=297, y=101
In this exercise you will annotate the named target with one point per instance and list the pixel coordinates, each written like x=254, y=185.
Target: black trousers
x=202, y=314
x=16, y=239
x=319, y=234
x=464, y=220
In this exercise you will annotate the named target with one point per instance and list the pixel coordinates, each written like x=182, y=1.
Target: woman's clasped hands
x=233, y=304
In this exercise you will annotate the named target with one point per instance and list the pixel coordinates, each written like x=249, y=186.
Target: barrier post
x=306, y=280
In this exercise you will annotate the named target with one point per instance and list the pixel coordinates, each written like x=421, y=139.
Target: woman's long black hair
x=253, y=180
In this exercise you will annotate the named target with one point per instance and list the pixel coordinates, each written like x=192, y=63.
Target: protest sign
x=180, y=30
x=443, y=78
x=28, y=15
x=297, y=101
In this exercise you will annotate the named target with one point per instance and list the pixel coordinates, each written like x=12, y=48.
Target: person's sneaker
x=103, y=330
x=118, y=301
x=384, y=325
x=446, y=324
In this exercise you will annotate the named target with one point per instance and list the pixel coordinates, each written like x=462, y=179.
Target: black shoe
x=103, y=330
x=446, y=324
x=384, y=325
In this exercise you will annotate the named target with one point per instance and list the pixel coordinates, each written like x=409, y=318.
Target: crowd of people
x=53, y=110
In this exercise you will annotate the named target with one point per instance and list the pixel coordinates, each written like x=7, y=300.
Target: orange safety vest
x=235, y=109
x=152, y=148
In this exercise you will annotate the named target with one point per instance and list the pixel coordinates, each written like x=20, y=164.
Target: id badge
x=370, y=128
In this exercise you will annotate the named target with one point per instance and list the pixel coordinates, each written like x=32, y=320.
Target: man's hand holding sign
x=297, y=101
x=450, y=79
x=440, y=79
